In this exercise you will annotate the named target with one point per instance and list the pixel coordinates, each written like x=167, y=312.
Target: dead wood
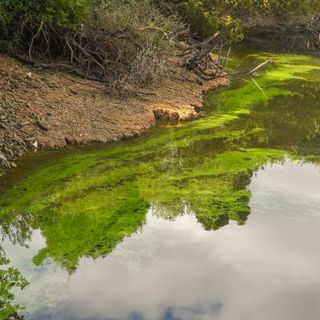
x=206, y=61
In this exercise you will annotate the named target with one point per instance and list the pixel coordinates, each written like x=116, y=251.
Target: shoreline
x=50, y=109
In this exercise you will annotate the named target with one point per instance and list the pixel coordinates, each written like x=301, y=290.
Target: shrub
x=207, y=20
x=63, y=13
x=231, y=16
x=121, y=42
x=134, y=40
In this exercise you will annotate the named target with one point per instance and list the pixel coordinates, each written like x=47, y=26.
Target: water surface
x=212, y=219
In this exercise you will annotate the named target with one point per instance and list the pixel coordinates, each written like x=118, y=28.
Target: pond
x=216, y=218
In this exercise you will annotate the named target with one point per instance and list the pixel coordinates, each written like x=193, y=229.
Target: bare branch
x=34, y=37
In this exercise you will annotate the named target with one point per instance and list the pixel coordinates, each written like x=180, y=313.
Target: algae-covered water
x=217, y=218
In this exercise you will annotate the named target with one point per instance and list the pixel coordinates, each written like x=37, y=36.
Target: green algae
x=89, y=214
x=87, y=202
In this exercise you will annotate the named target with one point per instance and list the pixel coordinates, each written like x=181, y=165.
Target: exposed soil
x=51, y=109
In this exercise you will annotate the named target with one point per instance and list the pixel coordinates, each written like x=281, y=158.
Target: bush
x=121, y=42
x=20, y=20
x=207, y=20
x=63, y=13
x=231, y=16
x=134, y=40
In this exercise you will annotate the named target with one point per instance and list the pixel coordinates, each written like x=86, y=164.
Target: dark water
x=212, y=219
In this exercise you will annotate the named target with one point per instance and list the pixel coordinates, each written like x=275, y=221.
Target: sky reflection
x=267, y=269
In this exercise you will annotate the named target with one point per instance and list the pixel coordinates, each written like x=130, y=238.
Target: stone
x=175, y=116
x=24, y=123
x=30, y=139
x=197, y=108
x=42, y=125
x=13, y=165
x=4, y=162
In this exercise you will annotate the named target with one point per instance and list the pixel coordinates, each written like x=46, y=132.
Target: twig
x=219, y=59
x=257, y=85
x=155, y=28
x=71, y=50
x=252, y=71
x=260, y=66
x=226, y=58
x=205, y=42
x=34, y=37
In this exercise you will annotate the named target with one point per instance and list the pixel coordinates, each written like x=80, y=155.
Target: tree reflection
x=10, y=278
x=17, y=229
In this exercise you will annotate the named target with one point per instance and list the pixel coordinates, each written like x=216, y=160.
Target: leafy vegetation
x=9, y=278
x=236, y=18
x=15, y=15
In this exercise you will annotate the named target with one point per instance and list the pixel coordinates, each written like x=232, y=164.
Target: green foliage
x=246, y=8
x=68, y=13
x=231, y=16
x=10, y=278
x=205, y=22
x=16, y=14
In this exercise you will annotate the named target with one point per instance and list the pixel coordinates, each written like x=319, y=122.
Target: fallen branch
x=62, y=66
x=259, y=66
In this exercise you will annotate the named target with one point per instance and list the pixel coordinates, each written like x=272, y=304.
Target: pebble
x=42, y=125
x=5, y=163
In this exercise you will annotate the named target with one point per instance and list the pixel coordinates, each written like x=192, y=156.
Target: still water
x=217, y=218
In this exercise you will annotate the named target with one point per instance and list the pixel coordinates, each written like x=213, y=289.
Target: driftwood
x=200, y=59
x=253, y=70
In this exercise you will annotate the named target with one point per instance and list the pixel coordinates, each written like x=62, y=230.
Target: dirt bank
x=51, y=109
